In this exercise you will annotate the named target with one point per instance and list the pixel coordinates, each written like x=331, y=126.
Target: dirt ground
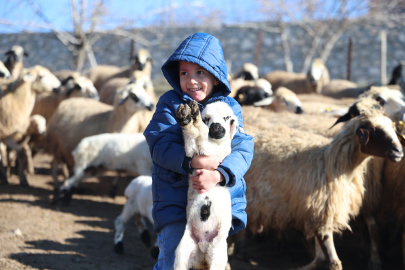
x=36, y=235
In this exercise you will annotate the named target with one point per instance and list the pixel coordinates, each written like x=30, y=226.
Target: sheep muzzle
x=216, y=131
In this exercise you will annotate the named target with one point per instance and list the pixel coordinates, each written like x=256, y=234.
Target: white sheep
x=326, y=185
x=14, y=62
x=139, y=204
x=101, y=74
x=209, y=217
x=77, y=118
x=107, y=152
x=301, y=83
x=249, y=72
x=283, y=100
x=16, y=105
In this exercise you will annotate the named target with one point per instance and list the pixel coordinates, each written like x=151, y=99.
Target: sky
x=20, y=13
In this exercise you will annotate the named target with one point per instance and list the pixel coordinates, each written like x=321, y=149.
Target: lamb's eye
x=206, y=120
x=226, y=118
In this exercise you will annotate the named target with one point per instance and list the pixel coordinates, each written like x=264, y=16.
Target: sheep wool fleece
x=164, y=136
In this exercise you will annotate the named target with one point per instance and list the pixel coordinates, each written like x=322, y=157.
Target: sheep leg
x=375, y=262
x=20, y=153
x=114, y=185
x=319, y=258
x=186, y=251
x=328, y=248
x=130, y=209
x=3, y=175
x=28, y=156
x=65, y=191
x=54, y=171
x=143, y=230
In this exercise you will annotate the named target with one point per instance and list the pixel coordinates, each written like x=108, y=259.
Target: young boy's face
x=196, y=81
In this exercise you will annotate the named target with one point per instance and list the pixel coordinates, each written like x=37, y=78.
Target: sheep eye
x=226, y=118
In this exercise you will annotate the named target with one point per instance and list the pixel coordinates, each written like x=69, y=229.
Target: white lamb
x=209, y=217
x=109, y=151
x=139, y=204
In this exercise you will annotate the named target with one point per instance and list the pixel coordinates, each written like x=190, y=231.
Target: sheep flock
x=327, y=163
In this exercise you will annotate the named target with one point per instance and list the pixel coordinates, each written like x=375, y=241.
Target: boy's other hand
x=205, y=180
x=205, y=162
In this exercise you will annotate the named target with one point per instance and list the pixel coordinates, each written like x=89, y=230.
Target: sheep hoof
x=65, y=195
x=195, y=111
x=336, y=265
x=145, y=237
x=119, y=248
x=183, y=115
x=154, y=252
x=113, y=191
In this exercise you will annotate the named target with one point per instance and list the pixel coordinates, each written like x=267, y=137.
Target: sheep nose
x=150, y=107
x=216, y=126
x=299, y=110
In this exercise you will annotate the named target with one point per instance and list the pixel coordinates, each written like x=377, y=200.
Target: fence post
x=383, y=36
x=258, y=47
x=349, y=60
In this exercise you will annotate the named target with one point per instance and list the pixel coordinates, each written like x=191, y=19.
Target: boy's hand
x=205, y=162
x=205, y=180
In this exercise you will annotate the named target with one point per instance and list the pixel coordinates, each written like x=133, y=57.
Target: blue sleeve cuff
x=187, y=165
x=226, y=176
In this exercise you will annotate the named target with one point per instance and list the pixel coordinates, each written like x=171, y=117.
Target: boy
x=196, y=70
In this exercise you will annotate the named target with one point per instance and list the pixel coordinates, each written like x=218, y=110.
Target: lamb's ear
x=234, y=126
x=363, y=135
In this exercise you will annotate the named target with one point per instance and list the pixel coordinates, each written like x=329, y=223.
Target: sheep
x=209, y=217
x=4, y=73
x=101, y=74
x=139, y=204
x=247, y=95
x=14, y=62
x=343, y=89
x=76, y=118
x=249, y=72
x=398, y=77
x=301, y=83
x=107, y=152
x=78, y=86
x=238, y=83
x=284, y=99
x=66, y=73
x=16, y=105
x=325, y=187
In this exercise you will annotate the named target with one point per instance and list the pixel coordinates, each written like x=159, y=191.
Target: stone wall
x=239, y=46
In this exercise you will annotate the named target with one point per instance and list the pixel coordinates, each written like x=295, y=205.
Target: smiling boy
x=196, y=71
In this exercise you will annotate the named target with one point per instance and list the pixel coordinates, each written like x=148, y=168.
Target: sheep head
x=318, y=72
x=222, y=123
x=140, y=59
x=15, y=54
x=134, y=97
x=44, y=81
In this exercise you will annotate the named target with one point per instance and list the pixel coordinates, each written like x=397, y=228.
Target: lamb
x=107, y=152
x=284, y=99
x=16, y=105
x=77, y=118
x=238, y=83
x=209, y=218
x=139, y=204
x=14, y=62
x=326, y=186
x=301, y=83
x=101, y=74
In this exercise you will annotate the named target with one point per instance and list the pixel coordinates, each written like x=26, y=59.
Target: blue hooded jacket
x=164, y=136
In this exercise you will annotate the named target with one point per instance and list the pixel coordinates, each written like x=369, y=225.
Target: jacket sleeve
x=238, y=162
x=165, y=140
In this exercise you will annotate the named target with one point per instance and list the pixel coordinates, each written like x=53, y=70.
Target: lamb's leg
x=328, y=248
x=54, y=172
x=114, y=185
x=3, y=175
x=28, y=156
x=120, y=223
x=65, y=191
x=20, y=153
x=319, y=258
x=375, y=262
x=185, y=251
x=143, y=230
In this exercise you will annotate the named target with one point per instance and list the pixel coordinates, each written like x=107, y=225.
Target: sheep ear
x=264, y=102
x=29, y=77
x=234, y=126
x=363, y=135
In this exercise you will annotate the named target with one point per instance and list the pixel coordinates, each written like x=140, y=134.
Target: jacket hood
x=204, y=50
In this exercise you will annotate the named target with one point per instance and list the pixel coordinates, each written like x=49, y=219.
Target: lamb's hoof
x=145, y=237
x=119, y=248
x=113, y=191
x=336, y=265
x=154, y=252
x=183, y=115
x=3, y=178
x=23, y=181
x=195, y=111
x=63, y=195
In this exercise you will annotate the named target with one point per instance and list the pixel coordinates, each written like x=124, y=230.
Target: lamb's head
x=37, y=125
x=140, y=59
x=15, y=54
x=134, y=97
x=80, y=86
x=318, y=72
x=377, y=135
x=283, y=100
x=390, y=99
x=44, y=81
x=222, y=123
x=4, y=73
